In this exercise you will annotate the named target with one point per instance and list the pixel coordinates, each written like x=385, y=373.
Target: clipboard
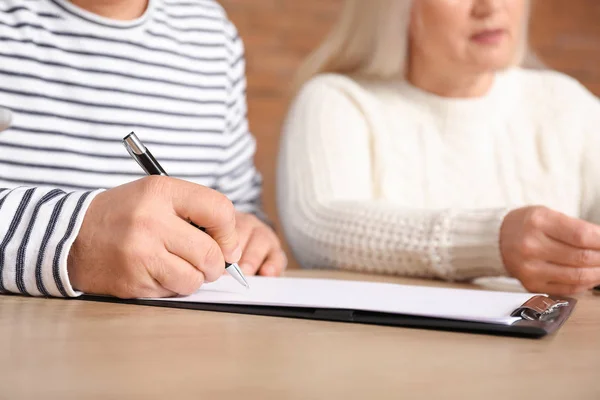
x=538, y=316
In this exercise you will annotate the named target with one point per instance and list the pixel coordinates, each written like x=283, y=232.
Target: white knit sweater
x=385, y=177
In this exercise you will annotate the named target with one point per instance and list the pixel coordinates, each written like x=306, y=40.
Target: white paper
x=457, y=304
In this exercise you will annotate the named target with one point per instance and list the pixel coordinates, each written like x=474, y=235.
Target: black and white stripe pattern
x=76, y=83
x=40, y=227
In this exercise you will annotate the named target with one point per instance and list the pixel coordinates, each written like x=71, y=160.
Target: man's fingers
x=275, y=263
x=560, y=253
x=572, y=231
x=177, y=275
x=244, y=233
x=256, y=251
x=143, y=287
x=194, y=246
x=244, y=230
x=209, y=209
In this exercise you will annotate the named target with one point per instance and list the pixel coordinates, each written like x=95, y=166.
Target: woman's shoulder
x=549, y=86
x=332, y=82
x=332, y=89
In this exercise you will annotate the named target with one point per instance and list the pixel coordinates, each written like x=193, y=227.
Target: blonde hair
x=371, y=40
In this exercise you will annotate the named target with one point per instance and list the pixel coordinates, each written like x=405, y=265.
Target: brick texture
x=279, y=33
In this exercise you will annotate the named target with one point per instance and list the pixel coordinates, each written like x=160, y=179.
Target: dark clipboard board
x=533, y=328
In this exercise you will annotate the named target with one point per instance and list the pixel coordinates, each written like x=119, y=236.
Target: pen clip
x=142, y=155
x=134, y=156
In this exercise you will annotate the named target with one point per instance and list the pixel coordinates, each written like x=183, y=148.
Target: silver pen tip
x=237, y=274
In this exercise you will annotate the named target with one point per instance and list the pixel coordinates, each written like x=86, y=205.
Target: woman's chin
x=491, y=64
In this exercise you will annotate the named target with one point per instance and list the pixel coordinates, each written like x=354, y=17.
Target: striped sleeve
x=37, y=228
x=239, y=179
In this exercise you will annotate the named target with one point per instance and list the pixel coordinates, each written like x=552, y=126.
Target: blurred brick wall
x=279, y=33
x=566, y=36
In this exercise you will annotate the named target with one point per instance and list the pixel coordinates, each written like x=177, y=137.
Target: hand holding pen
x=148, y=163
x=135, y=242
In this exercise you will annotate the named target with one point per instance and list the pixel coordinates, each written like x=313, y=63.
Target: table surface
x=72, y=349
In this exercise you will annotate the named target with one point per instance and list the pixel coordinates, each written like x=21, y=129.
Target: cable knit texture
x=385, y=177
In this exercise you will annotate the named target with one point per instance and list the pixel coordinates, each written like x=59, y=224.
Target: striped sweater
x=76, y=84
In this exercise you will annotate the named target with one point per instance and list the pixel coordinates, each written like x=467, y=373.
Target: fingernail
x=237, y=254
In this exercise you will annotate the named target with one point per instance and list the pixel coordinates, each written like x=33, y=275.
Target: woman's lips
x=489, y=37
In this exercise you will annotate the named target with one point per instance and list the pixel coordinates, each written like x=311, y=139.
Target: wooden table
x=65, y=349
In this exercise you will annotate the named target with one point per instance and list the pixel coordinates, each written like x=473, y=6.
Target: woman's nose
x=486, y=8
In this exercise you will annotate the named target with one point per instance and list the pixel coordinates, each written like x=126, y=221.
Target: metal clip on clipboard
x=540, y=308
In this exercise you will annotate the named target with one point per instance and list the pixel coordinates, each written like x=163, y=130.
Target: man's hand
x=136, y=240
x=262, y=253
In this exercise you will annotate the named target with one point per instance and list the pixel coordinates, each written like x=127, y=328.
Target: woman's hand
x=550, y=252
x=262, y=253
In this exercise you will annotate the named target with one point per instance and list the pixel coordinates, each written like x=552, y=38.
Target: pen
x=146, y=160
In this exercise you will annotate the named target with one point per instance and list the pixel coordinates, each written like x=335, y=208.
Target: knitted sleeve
x=333, y=218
